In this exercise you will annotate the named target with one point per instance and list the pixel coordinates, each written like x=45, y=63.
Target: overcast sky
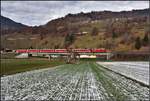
x=40, y=12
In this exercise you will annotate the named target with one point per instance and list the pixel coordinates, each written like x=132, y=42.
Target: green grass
x=114, y=93
x=12, y=66
x=92, y=59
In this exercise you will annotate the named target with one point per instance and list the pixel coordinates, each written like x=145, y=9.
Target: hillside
x=7, y=24
x=116, y=31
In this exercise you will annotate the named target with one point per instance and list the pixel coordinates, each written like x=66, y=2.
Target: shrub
x=138, y=43
x=145, y=40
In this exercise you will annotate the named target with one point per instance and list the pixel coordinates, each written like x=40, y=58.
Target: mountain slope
x=70, y=21
x=105, y=29
x=8, y=24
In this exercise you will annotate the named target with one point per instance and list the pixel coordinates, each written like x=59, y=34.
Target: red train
x=60, y=50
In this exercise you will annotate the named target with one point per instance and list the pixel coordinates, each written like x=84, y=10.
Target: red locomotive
x=60, y=50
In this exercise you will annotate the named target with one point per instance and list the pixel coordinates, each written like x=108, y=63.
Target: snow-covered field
x=136, y=70
x=64, y=82
x=85, y=81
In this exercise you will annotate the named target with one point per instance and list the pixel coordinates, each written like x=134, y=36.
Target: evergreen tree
x=56, y=46
x=138, y=43
x=95, y=31
x=69, y=39
x=30, y=47
x=145, y=40
x=114, y=35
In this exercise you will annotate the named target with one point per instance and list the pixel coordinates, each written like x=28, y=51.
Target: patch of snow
x=135, y=70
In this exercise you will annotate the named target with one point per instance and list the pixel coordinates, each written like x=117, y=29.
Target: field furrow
x=136, y=70
x=84, y=81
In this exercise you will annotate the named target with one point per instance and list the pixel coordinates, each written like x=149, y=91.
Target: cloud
x=40, y=12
